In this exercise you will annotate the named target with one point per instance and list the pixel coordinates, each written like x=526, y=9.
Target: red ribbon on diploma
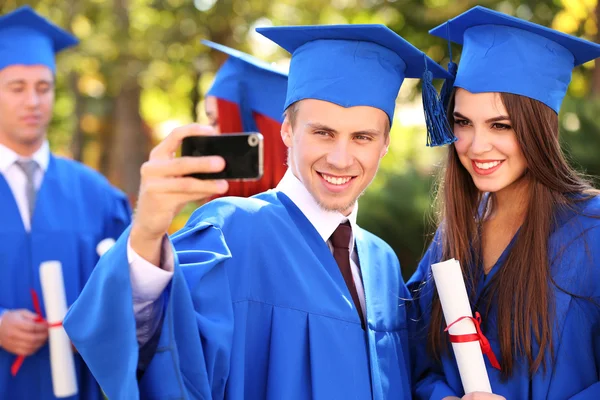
x=14, y=369
x=486, y=348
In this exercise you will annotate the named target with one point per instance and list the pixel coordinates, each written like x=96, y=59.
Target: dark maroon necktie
x=340, y=240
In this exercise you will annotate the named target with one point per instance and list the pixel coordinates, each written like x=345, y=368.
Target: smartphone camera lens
x=253, y=140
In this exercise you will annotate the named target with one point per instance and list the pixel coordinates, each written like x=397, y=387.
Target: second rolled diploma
x=64, y=381
x=455, y=305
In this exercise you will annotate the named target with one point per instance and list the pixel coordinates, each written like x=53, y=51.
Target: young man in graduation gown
x=50, y=208
x=280, y=295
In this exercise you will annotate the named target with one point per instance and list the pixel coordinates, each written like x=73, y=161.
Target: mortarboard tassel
x=439, y=132
x=448, y=86
x=248, y=122
x=452, y=69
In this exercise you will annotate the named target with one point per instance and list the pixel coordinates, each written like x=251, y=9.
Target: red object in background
x=275, y=151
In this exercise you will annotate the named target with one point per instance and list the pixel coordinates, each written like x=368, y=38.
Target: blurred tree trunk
x=77, y=138
x=130, y=144
x=195, y=95
x=105, y=138
x=596, y=75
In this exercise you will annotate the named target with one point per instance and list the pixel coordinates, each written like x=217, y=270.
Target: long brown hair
x=521, y=288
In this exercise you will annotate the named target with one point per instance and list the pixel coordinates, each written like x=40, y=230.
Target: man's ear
x=387, y=145
x=286, y=131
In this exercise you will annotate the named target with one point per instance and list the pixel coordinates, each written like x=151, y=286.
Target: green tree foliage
x=580, y=135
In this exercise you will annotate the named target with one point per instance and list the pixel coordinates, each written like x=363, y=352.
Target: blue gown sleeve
x=193, y=351
x=101, y=324
x=428, y=377
x=591, y=393
x=577, y=366
x=580, y=356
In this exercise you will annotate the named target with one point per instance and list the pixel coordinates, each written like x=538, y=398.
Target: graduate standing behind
x=277, y=296
x=50, y=208
x=523, y=224
x=248, y=96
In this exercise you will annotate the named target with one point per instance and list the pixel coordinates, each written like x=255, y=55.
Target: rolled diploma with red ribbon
x=64, y=382
x=455, y=304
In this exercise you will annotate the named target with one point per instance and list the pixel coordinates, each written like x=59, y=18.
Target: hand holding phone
x=166, y=187
x=242, y=152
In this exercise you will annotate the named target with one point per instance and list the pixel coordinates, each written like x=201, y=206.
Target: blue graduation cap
x=27, y=38
x=358, y=65
x=252, y=84
x=506, y=54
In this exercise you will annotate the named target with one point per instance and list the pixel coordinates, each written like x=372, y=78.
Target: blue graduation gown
x=75, y=209
x=257, y=309
x=574, y=373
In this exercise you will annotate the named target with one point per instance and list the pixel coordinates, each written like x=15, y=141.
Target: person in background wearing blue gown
x=51, y=208
x=523, y=224
x=247, y=95
x=276, y=296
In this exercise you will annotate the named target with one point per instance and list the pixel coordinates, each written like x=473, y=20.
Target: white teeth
x=336, y=181
x=487, y=165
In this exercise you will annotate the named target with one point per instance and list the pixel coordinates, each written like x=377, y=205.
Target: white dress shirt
x=17, y=180
x=148, y=282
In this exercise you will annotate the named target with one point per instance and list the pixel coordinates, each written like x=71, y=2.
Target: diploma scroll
x=64, y=382
x=455, y=304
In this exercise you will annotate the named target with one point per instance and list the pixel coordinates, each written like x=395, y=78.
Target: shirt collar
x=325, y=222
x=8, y=157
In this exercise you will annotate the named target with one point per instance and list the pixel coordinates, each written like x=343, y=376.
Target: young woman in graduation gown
x=523, y=224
